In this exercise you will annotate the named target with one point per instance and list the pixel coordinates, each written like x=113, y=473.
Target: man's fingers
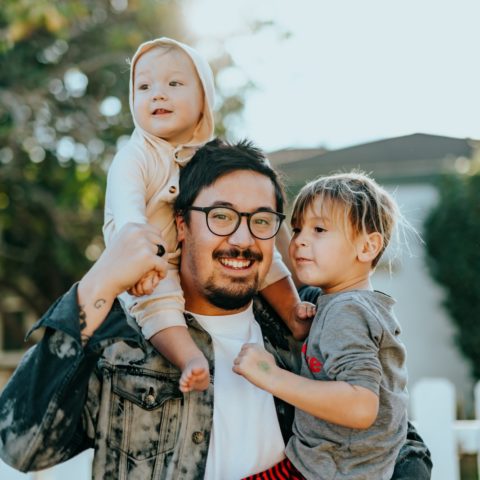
x=160, y=265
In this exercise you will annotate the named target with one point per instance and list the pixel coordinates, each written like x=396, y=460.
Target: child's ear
x=180, y=221
x=369, y=246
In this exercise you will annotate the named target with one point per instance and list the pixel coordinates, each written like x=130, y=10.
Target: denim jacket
x=120, y=397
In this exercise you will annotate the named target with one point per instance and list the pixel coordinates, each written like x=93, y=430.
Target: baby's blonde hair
x=358, y=205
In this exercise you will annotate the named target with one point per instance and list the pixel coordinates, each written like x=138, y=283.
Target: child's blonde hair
x=359, y=205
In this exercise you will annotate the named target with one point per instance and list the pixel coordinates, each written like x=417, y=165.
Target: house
x=408, y=167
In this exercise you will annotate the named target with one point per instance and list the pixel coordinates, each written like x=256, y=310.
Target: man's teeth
x=235, y=263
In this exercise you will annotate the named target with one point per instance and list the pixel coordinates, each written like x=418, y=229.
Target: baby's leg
x=176, y=344
x=195, y=376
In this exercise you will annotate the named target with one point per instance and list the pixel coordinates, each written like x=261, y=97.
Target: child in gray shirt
x=350, y=396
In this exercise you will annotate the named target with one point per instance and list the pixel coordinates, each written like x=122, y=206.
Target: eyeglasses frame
x=248, y=215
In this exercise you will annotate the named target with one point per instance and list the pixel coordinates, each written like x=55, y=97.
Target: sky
x=344, y=72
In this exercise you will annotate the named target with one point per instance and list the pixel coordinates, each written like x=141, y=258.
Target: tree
x=63, y=106
x=452, y=234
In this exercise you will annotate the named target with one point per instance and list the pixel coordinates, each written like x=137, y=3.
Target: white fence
x=433, y=407
x=434, y=411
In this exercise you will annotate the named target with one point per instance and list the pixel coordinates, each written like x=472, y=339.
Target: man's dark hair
x=218, y=158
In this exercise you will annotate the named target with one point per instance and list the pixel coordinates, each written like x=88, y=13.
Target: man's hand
x=303, y=314
x=130, y=256
x=256, y=365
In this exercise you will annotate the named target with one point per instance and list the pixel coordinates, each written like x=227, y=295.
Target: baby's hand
x=256, y=365
x=146, y=285
x=303, y=314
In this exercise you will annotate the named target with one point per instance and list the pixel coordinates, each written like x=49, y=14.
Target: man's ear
x=181, y=225
x=369, y=246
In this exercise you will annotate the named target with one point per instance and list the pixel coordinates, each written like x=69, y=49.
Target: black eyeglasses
x=223, y=221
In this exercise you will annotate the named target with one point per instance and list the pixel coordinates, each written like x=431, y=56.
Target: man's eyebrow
x=222, y=203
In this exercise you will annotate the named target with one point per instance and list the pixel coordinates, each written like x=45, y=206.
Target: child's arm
x=337, y=402
x=125, y=197
x=297, y=315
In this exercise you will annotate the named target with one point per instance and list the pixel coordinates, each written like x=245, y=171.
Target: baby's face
x=167, y=95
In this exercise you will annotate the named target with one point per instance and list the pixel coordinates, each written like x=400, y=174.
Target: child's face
x=168, y=95
x=322, y=254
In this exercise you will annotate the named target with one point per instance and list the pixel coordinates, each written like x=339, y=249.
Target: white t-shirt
x=246, y=436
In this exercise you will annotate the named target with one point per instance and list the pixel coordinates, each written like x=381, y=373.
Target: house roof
x=409, y=158
x=294, y=155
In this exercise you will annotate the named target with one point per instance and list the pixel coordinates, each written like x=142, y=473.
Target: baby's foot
x=195, y=375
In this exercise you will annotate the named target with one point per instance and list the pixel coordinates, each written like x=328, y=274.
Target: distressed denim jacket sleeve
x=45, y=416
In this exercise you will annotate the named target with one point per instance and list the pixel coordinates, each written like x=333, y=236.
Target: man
x=94, y=382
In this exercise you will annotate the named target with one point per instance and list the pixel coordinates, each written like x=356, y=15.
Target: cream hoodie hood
x=204, y=131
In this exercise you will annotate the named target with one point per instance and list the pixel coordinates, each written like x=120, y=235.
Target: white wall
x=427, y=330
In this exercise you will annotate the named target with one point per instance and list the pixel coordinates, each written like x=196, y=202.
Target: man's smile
x=236, y=263
x=234, y=259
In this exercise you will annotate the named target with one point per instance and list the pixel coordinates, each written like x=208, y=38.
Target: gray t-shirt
x=354, y=338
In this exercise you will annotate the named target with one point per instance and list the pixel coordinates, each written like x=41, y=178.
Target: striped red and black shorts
x=281, y=471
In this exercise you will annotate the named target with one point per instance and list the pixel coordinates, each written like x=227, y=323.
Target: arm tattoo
x=99, y=303
x=82, y=316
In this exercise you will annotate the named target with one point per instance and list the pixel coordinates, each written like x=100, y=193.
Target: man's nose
x=242, y=237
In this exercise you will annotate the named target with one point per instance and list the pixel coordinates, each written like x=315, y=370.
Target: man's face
x=221, y=274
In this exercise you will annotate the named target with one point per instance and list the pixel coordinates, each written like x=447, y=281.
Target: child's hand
x=303, y=314
x=256, y=365
x=146, y=285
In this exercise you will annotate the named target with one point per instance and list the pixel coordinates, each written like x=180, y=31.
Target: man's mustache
x=247, y=254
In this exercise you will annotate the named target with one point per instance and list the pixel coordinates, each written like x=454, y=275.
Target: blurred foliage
x=452, y=234
x=59, y=63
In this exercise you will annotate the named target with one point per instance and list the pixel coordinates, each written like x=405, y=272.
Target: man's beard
x=240, y=291
x=230, y=298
